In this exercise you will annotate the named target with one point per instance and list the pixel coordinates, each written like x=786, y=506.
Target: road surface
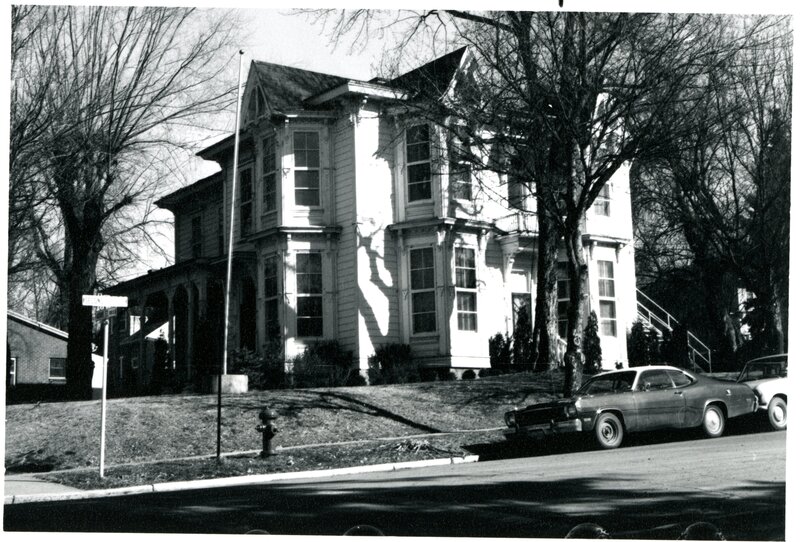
x=650, y=489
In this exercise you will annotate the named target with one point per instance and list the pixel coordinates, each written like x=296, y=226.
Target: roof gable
x=285, y=88
x=431, y=80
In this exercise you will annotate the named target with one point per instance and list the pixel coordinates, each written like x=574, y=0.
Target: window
x=271, y=323
x=519, y=187
x=520, y=303
x=197, y=236
x=268, y=175
x=58, y=368
x=12, y=371
x=309, y=294
x=563, y=298
x=460, y=173
x=246, y=201
x=423, y=292
x=466, y=293
x=679, y=378
x=418, y=162
x=655, y=380
x=608, y=309
x=602, y=204
x=306, y=168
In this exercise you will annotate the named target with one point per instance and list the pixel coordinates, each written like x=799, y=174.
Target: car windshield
x=608, y=383
x=756, y=370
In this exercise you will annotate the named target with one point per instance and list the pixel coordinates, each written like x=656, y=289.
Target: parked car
x=767, y=378
x=637, y=399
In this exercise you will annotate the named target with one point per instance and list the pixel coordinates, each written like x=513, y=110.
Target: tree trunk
x=79, y=345
x=578, y=274
x=545, y=329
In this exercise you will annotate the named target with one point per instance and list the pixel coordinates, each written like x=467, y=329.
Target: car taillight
x=571, y=411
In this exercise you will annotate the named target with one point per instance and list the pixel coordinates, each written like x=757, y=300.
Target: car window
x=608, y=383
x=655, y=380
x=763, y=369
x=679, y=378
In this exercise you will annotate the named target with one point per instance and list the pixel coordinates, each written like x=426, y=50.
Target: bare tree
x=570, y=97
x=107, y=91
x=721, y=190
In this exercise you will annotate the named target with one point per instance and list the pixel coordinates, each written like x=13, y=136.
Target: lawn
x=163, y=428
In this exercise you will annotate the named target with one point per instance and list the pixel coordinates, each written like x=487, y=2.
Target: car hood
x=764, y=384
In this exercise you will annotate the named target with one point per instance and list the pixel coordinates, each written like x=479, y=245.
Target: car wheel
x=713, y=421
x=608, y=431
x=776, y=413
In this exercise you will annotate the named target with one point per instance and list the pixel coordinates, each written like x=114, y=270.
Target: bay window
x=306, y=168
x=423, y=290
x=466, y=290
x=418, y=162
x=309, y=294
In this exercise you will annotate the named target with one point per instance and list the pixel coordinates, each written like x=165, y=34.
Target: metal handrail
x=697, y=348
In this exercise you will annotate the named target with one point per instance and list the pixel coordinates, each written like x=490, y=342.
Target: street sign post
x=104, y=301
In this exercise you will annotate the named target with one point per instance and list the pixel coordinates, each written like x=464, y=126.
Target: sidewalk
x=28, y=484
x=24, y=488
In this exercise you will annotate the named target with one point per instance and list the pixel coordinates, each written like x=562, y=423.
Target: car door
x=659, y=404
x=682, y=381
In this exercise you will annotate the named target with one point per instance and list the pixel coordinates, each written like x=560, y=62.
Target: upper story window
x=608, y=305
x=309, y=294
x=246, y=201
x=602, y=204
x=271, y=322
x=418, y=162
x=460, y=171
x=268, y=175
x=423, y=290
x=197, y=236
x=306, y=168
x=466, y=290
x=257, y=104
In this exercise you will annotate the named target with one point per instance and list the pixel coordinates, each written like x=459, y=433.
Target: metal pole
x=224, y=368
x=103, y=401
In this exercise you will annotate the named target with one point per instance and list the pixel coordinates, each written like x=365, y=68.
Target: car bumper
x=543, y=430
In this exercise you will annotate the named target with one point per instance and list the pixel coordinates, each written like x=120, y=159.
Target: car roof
x=642, y=368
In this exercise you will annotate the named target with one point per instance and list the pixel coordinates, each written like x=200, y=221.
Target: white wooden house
x=349, y=226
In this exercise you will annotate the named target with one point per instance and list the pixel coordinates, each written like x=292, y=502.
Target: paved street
x=651, y=489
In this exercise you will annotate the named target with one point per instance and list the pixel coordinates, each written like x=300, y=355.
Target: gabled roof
x=285, y=88
x=44, y=328
x=432, y=79
x=174, y=199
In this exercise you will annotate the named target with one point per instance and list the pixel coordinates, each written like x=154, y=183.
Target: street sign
x=104, y=301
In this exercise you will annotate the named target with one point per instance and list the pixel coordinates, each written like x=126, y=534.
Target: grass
x=158, y=430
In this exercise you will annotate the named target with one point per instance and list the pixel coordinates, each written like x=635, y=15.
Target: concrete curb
x=235, y=481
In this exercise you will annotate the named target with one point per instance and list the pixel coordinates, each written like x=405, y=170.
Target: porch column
x=171, y=325
x=190, y=328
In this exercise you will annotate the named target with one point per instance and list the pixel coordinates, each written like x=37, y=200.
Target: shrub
x=433, y=374
x=592, y=351
x=483, y=373
x=469, y=374
x=393, y=364
x=643, y=346
x=324, y=364
x=523, y=341
x=500, y=352
x=263, y=371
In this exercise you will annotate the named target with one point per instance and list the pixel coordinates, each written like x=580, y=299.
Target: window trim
x=269, y=297
x=305, y=295
x=297, y=168
x=431, y=290
x=612, y=299
x=273, y=173
x=409, y=164
x=245, y=203
x=468, y=290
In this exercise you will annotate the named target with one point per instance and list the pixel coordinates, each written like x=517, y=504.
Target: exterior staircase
x=656, y=317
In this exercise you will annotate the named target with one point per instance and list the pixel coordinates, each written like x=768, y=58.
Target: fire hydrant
x=268, y=430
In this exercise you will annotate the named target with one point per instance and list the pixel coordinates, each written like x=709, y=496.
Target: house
x=37, y=355
x=352, y=224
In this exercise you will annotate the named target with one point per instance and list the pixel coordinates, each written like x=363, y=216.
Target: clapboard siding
x=344, y=201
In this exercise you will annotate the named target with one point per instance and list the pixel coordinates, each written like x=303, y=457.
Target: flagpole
x=224, y=367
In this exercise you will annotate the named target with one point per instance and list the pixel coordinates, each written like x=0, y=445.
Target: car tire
x=713, y=421
x=776, y=413
x=608, y=431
